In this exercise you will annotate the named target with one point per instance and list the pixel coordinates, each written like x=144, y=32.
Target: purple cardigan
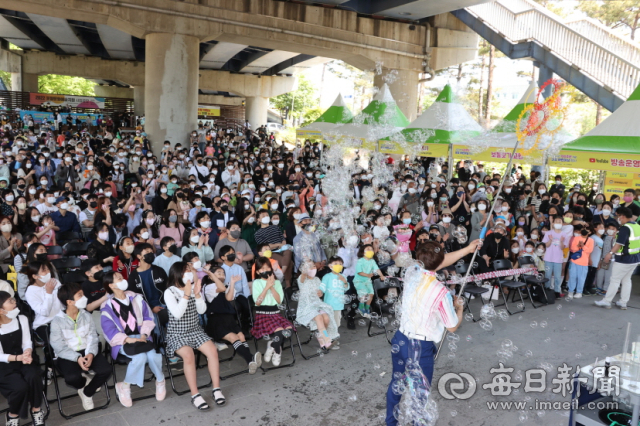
x=112, y=327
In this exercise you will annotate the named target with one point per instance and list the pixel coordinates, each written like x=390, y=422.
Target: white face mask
x=519, y=234
x=195, y=239
x=275, y=221
x=482, y=207
x=534, y=236
x=557, y=226
x=51, y=200
x=505, y=209
x=515, y=250
x=187, y=277
x=205, y=223
x=13, y=313
x=606, y=212
x=197, y=265
x=122, y=285
x=446, y=219
x=611, y=231
x=32, y=191
x=107, y=194
x=529, y=249
x=274, y=206
x=472, y=187
x=144, y=235
x=198, y=202
x=6, y=228
x=265, y=220
x=64, y=206
x=103, y=235
x=429, y=203
x=600, y=231
x=45, y=278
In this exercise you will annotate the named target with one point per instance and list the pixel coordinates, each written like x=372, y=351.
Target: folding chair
x=123, y=360
x=68, y=237
x=163, y=329
x=49, y=362
x=291, y=316
x=470, y=289
x=379, y=304
x=252, y=305
x=54, y=250
x=75, y=249
x=505, y=264
x=533, y=280
x=73, y=277
x=64, y=265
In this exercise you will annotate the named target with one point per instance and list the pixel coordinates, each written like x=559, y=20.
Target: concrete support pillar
x=256, y=110
x=16, y=81
x=403, y=85
x=171, y=88
x=544, y=75
x=23, y=82
x=138, y=100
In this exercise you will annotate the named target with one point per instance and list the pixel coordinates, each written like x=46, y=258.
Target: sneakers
x=87, y=401
x=13, y=421
x=275, y=360
x=256, y=363
x=123, y=392
x=38, y=417
x=161, y=390
x=603, y=304
x=362, y=312
x=578, y=296
x=620, y=304
x=351, y=324
x=569, y=296
x=559, y=295
x=268, y=353
x=88, y=378
x=335, y=345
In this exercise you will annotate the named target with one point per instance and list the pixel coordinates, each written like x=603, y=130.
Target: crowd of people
x=205, y=241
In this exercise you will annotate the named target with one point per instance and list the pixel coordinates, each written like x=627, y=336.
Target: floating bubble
x=528, y=354
x=523, y=417
x=362, y=323
x=520, y=305
x=572, y=315
x=266, y=337
x=469, y=338
x=578, y=355
x=468, y=317
x=400, y=362
x=401, y=342
x=453, y=347
x=559, y=307
x=451, y=355
x=547, y=340
x=518, y=376
x=395, y=349
x=286, y=333
x=540, y=413
x=507, y=344
x=354, y=353
x=534, y=324
x=353, y=398
x=323, y=382
x=368, y=356
x=454, y=413
x=376, y=366
x=486, y=325
x=604, y=347
x=546, y=366
x=453, y=337
x=543, y=324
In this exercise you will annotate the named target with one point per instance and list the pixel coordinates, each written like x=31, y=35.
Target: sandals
x=198, y=401
x=218, y=397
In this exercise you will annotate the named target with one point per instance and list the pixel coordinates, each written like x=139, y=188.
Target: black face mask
x=149, y=258
x=527, y=191
x=498, y=236
x=231, y=257
x=173, y=249
x=21, y=186
x=265, y=275
x=98, y=275
x=224, y=208
x=41, y=257
x=93, y=204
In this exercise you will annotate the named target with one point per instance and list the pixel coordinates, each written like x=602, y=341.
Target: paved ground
x=347, y=387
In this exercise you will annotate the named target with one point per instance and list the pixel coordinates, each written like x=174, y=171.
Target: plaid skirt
x=268, y=323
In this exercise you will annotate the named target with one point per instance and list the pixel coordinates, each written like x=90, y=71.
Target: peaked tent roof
x=445, y=121
x=620, y=132
x=380, y=118
x=337, y=113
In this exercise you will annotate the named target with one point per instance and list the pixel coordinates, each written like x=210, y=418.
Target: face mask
x=275, y=221
x=557, y=226
x=9, y=198
x=337, y=268
x=205, y=224
x=51, y=200
x=606, y=212
x=195, y=239
x=144, y=235
x=82, y=302
x=412, y=191
x=122, y=285
x=187, y=277
x=519, y=234
x=558, y=182
x=482, y=207
x=32, y=191
x=149, y=258
x=265, y=220
x=22, y=206
x=274, y=206
x=197, y=265
x=45, y=278
x=6, y=228
x=443, y=199
x=231, y=257
x=429, y=203
x=13, y=313
x=251, y=220
x=616, y=202
x=505, y=209
x=611, y=231
x=515, y=250
x=567, y=220
x=198, y=203
x=406, y=221
x=368, y=254
x=446, y=219
x=521, y=223
x=534, y=236
x=173, y=218
x=103, y=235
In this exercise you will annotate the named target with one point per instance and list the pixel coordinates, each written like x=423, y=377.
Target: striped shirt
x=269, y=235
x=427, y=307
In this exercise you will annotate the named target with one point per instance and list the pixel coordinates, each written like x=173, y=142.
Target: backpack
x=543, y=295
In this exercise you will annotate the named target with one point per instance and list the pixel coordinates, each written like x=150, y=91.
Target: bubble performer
x=428, y=308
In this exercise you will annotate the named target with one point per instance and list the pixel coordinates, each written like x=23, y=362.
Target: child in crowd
x=581, y=248
x=169, y=254
x=267, y=295
x=366, y=268
x=184, y=334
x=603, y=276
x=313, y=312
x=333, y=288
x=555, y=241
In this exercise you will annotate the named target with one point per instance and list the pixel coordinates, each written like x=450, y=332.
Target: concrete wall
x=245, y=84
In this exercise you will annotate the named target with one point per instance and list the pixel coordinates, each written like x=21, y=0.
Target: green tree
x=614, y=14
x=311, y=115
x=65, y=85
x=6, y=78
x=362, y=83
x=295, y=103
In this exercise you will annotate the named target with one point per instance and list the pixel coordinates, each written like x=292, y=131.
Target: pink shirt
x=554, y=253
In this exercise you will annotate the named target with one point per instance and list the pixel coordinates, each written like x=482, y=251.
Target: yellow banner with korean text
x=351, y=141
x=499, y=155
x=308, y=134
x=424, y=150
x=608, y=161
x=208, y=111
x=617, y=182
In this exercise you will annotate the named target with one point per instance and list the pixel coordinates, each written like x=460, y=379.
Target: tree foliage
x=295, y=103
x=362, y=82
x=65, y=85
x=614, y=14
x=6, y=78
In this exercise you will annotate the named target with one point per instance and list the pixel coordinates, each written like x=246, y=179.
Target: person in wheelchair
x=20, y=377
x=127, y=322
x=185, y=304
x=74, y=340
x=315, y=313
x=222, y=320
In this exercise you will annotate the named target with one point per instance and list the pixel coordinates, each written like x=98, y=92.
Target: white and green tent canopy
x=445, y=121
x=619, y=133
x=338, y=113
x=379, y=119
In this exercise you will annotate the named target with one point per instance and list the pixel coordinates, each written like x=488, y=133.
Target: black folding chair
x=379, y=305
x=54, y=250
x=502, y=265
x=123, y=360
x=66, y=264
x=49, y=363
x=75, y=249
x=73, y=277
x=533, y=280
x=282, y=349
x=68, y=237
x=470, y=289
